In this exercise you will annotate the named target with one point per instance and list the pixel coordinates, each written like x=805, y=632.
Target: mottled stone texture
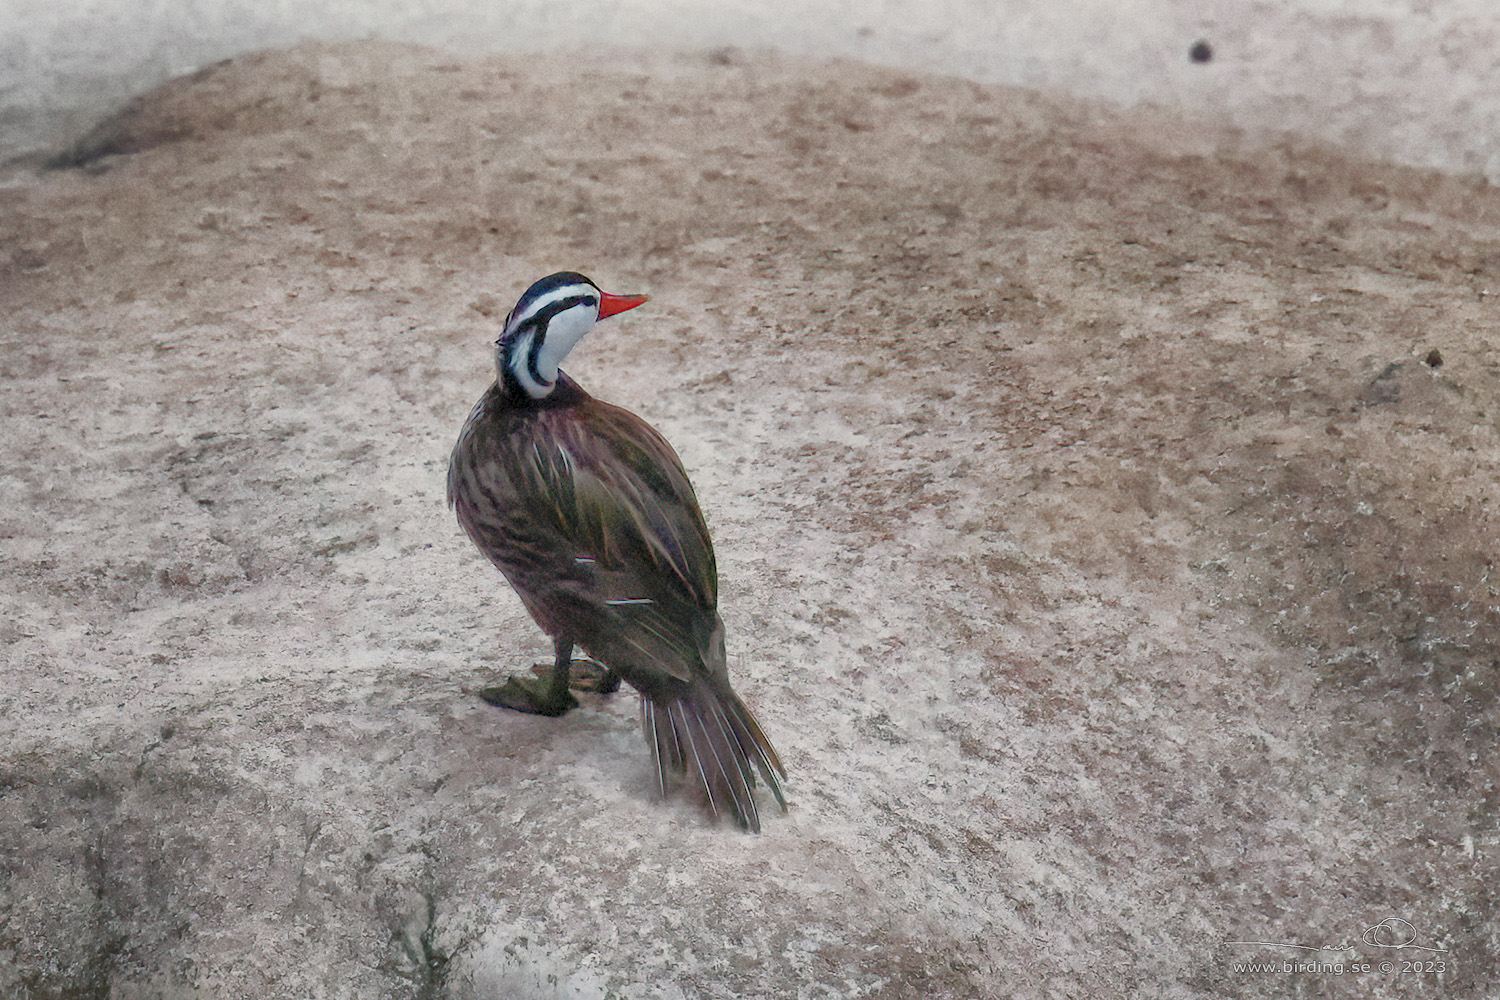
x=1106, y=515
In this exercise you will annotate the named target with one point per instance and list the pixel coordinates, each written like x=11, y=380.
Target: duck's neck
x=565, y=392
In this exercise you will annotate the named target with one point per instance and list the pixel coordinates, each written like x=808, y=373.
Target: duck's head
x=550, y=317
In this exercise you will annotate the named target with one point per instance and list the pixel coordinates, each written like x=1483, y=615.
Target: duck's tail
x=709, y=737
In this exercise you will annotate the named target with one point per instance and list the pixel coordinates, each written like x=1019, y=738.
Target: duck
x=587, y=512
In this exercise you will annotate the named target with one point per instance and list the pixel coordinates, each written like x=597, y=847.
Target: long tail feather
x=733, y=761
x=653, y=740
x=765, y=754
x=707, y=775
x=709, y=737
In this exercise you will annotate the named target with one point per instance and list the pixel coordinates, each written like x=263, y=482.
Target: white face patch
x=564, y=332
x=538, y=337
x=520, y=367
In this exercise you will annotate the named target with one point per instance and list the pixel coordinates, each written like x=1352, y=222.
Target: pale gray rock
x=1098, y=543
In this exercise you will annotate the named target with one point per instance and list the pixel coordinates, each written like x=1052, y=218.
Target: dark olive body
x=588, y=513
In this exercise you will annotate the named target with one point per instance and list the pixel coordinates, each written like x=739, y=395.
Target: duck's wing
x=590, y=515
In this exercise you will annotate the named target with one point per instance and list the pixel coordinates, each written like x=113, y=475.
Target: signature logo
x=1392, y=932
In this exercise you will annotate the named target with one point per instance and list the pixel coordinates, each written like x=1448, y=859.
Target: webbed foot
x=548, y=692
x=533, y=695
x=585, y=675
x=591, y=675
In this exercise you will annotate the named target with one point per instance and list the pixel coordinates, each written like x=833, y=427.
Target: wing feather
x=590, y=515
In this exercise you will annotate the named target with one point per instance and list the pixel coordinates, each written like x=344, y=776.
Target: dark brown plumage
x=587, y=511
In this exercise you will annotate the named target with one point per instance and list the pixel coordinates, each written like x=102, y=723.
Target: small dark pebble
x=1434, y=358
x=1201, y=52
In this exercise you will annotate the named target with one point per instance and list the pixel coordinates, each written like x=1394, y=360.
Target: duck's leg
x=547, y=695
x=591, y=675
x=586, y=674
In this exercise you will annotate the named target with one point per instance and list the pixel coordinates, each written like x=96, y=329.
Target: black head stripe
x=533, y=355
x=544, y=316
x=539, y=323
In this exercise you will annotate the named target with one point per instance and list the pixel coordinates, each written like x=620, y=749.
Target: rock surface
x=1105, y=512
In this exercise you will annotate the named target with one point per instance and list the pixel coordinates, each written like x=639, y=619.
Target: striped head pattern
x=548, y=320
